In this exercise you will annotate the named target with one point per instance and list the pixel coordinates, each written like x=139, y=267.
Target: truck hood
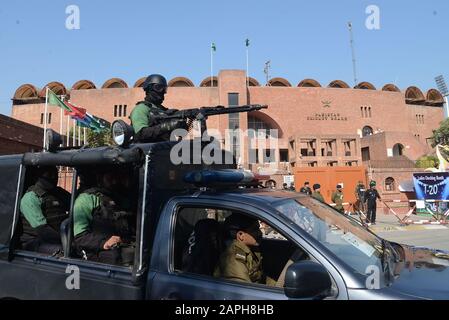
x=422, y=273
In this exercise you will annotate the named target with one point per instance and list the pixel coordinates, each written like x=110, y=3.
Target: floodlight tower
x=354, y=64
x=442, y=86
x=266, y=70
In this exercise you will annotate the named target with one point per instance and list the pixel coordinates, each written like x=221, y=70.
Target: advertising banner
x=431, y=186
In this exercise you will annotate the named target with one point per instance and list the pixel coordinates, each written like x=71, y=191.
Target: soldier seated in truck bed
x=43, y=207
x=104, y=224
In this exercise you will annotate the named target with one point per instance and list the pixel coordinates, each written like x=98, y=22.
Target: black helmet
x=155, y=82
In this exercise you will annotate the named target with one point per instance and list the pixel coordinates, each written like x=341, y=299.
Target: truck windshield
x=348, y=240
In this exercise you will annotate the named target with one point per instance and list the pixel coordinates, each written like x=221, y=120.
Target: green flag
x=214, y=47
x=55, y=101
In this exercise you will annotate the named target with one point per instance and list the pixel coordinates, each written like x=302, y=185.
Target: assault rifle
x=201, y=114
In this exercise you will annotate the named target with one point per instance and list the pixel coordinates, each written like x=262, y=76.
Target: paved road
x=435, y=239
x=429, y=236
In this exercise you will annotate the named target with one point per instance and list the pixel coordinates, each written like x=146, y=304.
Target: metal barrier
x=437, y=218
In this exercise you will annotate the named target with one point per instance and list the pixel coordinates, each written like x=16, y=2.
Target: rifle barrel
x=213, y=111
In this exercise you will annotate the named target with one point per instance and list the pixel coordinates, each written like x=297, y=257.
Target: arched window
x=390, y=184
x=260, y=127
x=367, y=131
x=398, y=150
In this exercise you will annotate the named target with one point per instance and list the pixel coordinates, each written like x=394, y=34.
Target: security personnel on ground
x=360, y=196
x=241, y=260
x=103, y=229
x=306, y=189
x=371, y=196
x=44, y=206
x=144, y=120
x=317, y=193
x=337, y=198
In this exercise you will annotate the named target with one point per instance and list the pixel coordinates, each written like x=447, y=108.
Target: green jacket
x=84, y=206
x=141, y=115
x=240, y=263
x=337, y=198
x=318, y=196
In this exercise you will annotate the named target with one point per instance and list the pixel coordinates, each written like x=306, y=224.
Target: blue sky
x=303, y=39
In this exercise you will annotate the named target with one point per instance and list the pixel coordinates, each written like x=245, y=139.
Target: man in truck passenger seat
x=43, y=207
x=103, y=225
x=241, y=260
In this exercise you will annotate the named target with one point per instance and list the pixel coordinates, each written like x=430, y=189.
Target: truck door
x=10, y=176
x=172, y=276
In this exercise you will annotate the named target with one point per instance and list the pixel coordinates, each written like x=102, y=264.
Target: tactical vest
x=53, y=206
x=155, y=113
x=109, y=217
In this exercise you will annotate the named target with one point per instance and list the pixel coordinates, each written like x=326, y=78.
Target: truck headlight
x=122, y=133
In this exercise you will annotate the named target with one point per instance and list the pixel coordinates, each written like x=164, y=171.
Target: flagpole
x=45, y=117
x=67, y=131
x=211, y=66
x=74, y=133
x=61, y=119
x=247, y=66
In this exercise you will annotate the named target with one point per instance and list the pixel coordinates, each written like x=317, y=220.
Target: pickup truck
x=311, y=250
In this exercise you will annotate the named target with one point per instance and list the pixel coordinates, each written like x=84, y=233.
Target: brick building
x=318, y=125
x=18, y=137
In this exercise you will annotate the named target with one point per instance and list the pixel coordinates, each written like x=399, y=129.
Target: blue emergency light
x=210, y=177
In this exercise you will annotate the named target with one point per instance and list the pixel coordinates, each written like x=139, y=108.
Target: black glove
x=171, y=112
x=168, y=126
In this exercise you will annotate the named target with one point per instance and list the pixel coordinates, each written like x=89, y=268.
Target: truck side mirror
x=307, y=280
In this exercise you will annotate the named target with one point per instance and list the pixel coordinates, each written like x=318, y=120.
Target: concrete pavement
x=429, y=236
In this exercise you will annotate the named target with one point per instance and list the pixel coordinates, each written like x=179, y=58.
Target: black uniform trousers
x=371, y=212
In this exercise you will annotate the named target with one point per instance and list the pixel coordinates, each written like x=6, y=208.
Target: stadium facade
x=386, y=129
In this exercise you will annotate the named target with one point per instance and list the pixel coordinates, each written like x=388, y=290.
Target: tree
x=94, y=139
x=426, y=162
x=441, y=135
x=103, y=138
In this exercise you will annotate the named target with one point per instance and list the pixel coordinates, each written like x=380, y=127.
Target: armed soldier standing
x=317, y=193
x=144, y=117
x=102, y=225
x=371, y=196
x=337, y=198
x=360, y=196
x=44, y=206
x=306, y=189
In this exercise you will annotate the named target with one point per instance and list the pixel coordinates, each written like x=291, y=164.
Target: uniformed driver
x=241, y=260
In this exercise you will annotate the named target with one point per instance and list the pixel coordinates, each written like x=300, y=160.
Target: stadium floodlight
x=442, y=87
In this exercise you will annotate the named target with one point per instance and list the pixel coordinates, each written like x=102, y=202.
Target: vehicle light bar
x=208, y=177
